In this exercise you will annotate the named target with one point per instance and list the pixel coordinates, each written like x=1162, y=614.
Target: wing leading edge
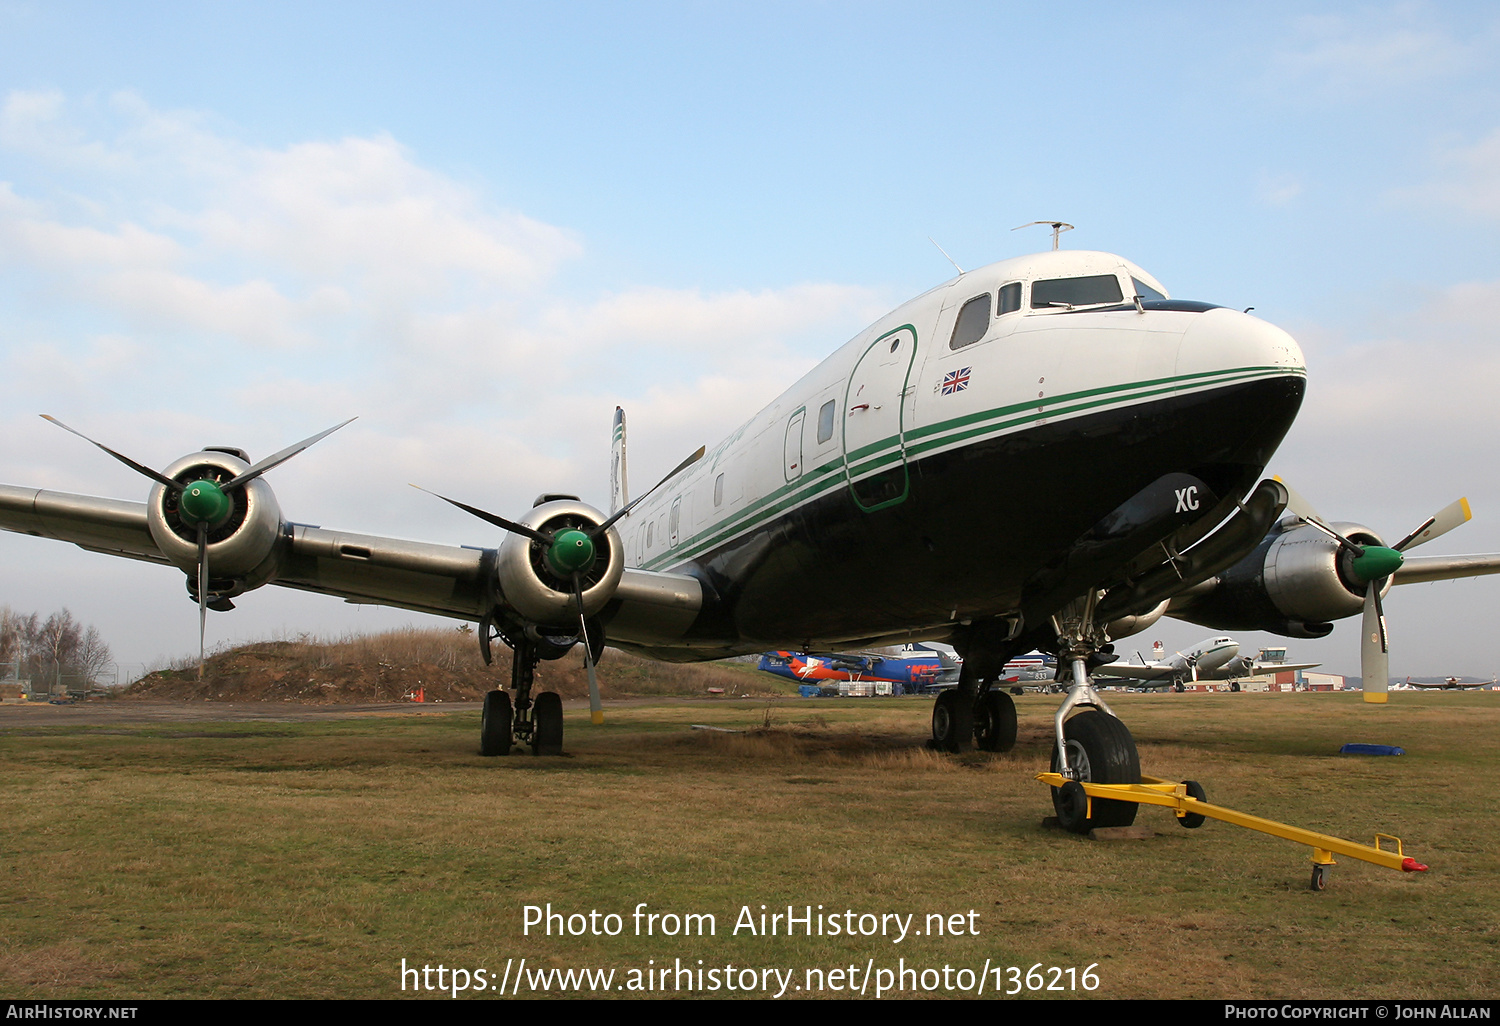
x=446, y=580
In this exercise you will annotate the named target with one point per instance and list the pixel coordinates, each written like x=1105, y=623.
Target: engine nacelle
x=536, y=589
x=1296, y=582
x=241, y=549
x=1309, y=578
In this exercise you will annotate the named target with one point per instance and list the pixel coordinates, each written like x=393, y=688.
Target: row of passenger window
x=1046, y=294
x=827, y=414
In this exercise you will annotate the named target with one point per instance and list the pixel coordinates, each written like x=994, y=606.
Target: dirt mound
x=443, y=666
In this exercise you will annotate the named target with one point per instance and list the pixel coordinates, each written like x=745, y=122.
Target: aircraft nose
x=1223, y=339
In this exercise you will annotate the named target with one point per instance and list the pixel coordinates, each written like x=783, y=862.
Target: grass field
x=284, y=859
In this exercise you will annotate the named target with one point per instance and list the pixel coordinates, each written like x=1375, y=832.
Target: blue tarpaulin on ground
x=1360, y=749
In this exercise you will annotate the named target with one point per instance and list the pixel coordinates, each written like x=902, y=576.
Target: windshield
x=1071, y=292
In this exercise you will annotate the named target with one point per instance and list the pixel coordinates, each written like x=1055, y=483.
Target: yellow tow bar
x=1192, y=811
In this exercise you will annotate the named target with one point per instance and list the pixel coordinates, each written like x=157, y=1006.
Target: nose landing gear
x=1093, y=745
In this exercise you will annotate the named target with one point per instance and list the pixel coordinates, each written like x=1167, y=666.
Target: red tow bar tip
x=1411, y=865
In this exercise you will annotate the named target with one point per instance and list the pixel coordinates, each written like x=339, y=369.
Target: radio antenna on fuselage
x=943, y=251
x=1058, y=227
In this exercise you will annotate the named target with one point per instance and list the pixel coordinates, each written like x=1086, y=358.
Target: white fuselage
x=899, y=391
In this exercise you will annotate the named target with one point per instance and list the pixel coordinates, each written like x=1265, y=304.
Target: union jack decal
x=956, y=381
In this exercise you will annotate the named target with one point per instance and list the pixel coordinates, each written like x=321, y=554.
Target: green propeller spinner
x=571, y=551
x=1376, y=562
x=204, y=502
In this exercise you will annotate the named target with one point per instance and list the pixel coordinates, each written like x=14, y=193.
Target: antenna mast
x=1058, y=227
x=943, y=251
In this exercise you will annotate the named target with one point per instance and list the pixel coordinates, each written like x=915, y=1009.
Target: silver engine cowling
x=240, y=550
x=535, y=590
x=1308, y=578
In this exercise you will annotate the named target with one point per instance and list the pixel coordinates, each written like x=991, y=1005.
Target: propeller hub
x=571, y=552
x=1376, y=562
x=204, y=502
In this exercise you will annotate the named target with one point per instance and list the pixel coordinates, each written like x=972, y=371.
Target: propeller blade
x=1297, y=503
x=1440, y=523
x=490, y=518
x=694, y=458
x=596, y=707
x=1300, y=506
x=202, y=592
x=276, y=459
x=1374, y=647
x=132, y=464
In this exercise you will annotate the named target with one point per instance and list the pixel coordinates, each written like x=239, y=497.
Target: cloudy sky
x=479, y=227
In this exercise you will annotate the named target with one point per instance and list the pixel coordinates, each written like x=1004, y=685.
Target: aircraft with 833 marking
x=869, y=505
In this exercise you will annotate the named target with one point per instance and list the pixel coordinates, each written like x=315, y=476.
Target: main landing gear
x=975, y=713
x=525, y=720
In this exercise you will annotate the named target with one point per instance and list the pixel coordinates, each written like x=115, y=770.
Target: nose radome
x=1228, y=338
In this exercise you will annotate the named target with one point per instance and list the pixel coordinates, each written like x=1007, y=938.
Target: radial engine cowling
x=536, y=589
x=1296, y=582
x=1308, y=577
x=241, y=548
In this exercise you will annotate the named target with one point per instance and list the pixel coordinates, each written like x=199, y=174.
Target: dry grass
x=306, y=860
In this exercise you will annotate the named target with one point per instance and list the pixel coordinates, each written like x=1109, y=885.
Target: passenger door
x=874, y=418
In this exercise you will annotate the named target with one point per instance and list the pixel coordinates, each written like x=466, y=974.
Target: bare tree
x=51, y=649
x=93, y=656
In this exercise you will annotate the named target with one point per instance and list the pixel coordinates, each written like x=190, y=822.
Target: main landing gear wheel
x=952, y=721
x=995, y=722
x=1100, y=751
x=1194, y=820
x=547, y=720
x=495, y=724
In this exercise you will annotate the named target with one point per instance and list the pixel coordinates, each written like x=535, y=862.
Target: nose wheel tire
x=1100, y=751
x=995, y=722
x=547, y=717
x=495, y=724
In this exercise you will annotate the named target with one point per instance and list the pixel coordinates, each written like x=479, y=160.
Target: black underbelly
x=980, y=520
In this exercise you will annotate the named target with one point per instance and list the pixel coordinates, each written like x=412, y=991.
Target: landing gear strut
x=517, y=718
x=1093, y=744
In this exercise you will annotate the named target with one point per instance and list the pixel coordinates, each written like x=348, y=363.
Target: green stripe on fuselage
x=890, y=450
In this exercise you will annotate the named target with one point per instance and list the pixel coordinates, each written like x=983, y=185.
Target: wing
x=112, y=526
x=1137, y=671
x=1263, y=668
x=646, y=608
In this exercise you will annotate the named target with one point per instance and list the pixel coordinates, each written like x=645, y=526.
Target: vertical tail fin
x=619, y=489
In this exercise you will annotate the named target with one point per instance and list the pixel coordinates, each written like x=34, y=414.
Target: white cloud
x=185, y=288
x=1278, y=190
x=1467, y=179
x=1375, y=51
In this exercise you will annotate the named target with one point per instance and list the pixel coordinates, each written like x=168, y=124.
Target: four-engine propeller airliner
x=1139, y=424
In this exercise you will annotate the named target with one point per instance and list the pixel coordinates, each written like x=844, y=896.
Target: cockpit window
x=973, y=322
x=1010, y=298
x=1146, y=291
x=1066, y=293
